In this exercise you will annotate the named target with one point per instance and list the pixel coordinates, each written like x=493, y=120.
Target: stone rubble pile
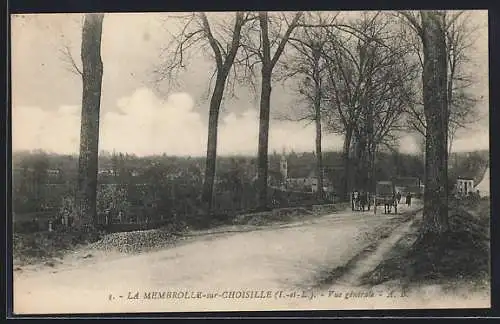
x=135, y=241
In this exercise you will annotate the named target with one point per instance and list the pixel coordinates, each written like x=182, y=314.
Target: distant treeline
x=41, y=180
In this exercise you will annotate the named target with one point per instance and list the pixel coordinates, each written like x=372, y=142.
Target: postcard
x=250, y=161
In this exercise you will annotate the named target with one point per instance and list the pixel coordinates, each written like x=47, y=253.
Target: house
x=298, y=173
x=275, y=178
x=53, y=172
x=464, y=186
x=106, y=172
x=470, y=166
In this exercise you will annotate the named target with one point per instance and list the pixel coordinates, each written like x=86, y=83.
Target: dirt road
x=208, y=273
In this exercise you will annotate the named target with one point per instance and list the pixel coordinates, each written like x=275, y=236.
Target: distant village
x=287, y=170
x=158, y=187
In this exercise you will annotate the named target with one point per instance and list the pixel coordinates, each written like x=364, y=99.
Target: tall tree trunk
x=86, y=194
x=435, y=218
x=371, y=151
x=262, y=159
x=319, y=154
x=211, y=160
x=360, y=160
x=268, y=63
x=372, y=176
x=317, y=116
x=347, y=163
x=451, y=137
x=223, y=68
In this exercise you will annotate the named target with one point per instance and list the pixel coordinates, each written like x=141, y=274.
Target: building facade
x=464, y=186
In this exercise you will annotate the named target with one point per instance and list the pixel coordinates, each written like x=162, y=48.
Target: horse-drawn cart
x=385, y=194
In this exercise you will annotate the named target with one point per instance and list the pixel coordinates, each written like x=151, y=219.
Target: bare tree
x=307, y=64
x=460, y=39
x=369, y=82
x=432, y=31
x=259, y=47
x=224, y=41
x=92, y=71
x=462, y=104
x=344, y=96
x=258, y=44
x=389, y=91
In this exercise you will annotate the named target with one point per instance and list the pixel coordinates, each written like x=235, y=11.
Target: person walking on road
x=408, y=199
x=353, y=200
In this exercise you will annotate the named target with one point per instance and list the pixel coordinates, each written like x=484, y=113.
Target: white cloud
x=239, y=134
x=408, y=144
x=147, y=125
x=57, y=131
x=475, y=141
x=144, y=124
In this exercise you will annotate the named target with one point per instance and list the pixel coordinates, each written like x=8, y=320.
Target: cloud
x=54, y=131
x=144, y=124
x=147, y=125
x=470, y=142
x=408, y=144
x=240, y=134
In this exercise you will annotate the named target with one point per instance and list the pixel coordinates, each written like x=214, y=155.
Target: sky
x=136, y=117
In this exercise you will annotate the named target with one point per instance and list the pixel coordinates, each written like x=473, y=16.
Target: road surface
x=208, y=273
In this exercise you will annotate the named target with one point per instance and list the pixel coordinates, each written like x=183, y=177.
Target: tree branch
x=68, y=58
x=413, y=21
x=211, y=39
x=284, y=39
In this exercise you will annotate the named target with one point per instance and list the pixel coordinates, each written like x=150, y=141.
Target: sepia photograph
x=250, y=161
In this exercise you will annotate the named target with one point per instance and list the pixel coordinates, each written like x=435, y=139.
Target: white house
x=464, y=186
x=53, y=172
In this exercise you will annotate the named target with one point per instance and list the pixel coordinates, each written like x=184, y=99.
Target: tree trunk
x=372, y=176
x=213, y=121
x=223, y=68
x=360, y=161
x=451, y=137
x=268, y=64
x=319, y=154
x=435, y=218
x=371, y=147
x=262, y=159
x=86, y=194
x=347, y=163
x=317, y=117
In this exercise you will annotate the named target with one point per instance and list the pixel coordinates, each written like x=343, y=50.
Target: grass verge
x=460, y=255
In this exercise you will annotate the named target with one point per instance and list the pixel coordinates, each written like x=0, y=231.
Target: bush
x=112, y=202
x=67, y=211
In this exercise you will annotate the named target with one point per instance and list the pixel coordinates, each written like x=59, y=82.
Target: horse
x=389, y=203
x=387, y=207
